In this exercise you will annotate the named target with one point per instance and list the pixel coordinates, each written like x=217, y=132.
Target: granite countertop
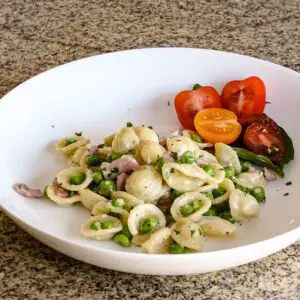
x=38, y=35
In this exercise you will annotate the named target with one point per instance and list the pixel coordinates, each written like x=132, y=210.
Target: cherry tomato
x=245, y=97
x=188, y=103
x=217, y=125
x=263, y=139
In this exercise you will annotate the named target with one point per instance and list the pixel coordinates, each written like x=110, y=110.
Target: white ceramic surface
x=98, y=95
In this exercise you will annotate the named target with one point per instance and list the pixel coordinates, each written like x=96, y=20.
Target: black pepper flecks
x=168, y=103
x=267, y=102
x=286, y=194
x=52, y=126
x=289, y=183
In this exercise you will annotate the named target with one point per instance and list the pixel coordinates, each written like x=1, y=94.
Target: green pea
x=227, y=216
x=129, y=124
x=259, y=194
x=113, y=156
x=159, y=164
x=122, y=240
x=209, y=195
x=96, y=225
x=77, y=179
x=196, y=138
x=45, y=192
x=70, y=141
x=188, y=157
x=148, y=224
x=211, y=212
x=186, y=209
x=196, y=86
x=246, y=165
x=106, y=187
x=229, y=172
x=117, y=203
x=97, y=177
x=175, y=194
x=196, y=205
x=93, y=160
x=209, y=170
x=218, y=192
x=176, y=249
x=126, y=232
x=106, y=225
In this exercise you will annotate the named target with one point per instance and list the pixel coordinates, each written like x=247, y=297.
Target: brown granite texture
x=37, y=35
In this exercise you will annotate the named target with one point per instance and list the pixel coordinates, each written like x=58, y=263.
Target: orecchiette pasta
x=141, y=212
x=88, y=198
x=243, y=205
x=201, y=145
x=215, y=226
x=78, y=159
x=125, y=140
x=188, y=234
x=159, y=241
x=146, y=134
x=181, y=144
x=189, y=198
x=70, y=144
x=146, y=184
x=129, y=200
x=228, y=185
x=61, y=201
x=151, y=151
x=251, y=179
x=227, y=157
x=101, y=234
x=205, y=158
x=63, y=178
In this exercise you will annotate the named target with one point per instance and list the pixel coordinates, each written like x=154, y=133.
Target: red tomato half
x=245, y=97
x=188, y=103
x=263, y=139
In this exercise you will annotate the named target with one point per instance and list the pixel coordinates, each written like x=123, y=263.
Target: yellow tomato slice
x=217, y=125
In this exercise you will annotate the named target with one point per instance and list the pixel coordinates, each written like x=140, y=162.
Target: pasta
x=160, y=198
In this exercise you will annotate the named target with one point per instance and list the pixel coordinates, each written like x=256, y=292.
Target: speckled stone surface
x=38, y=35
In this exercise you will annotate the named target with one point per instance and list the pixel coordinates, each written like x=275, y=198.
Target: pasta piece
x=61, y=201
x=142, y=211
x=104, y=152
x=228, y=185
x=188, y=133
x=101, y=207
x=146, y=184
x=63, y=178
x=109, y=139
x=101, y=234
x=206, y=188
x=188, y=234
x=189, y=198
x=78, y=159
x=129, y=200
x=219, y=174
x=66, y=148
x=183, y=177
x=251, y=179
x=206, y=158
x=243, y=205
x=215, y=226
x=151, y=151
x=146, y=134
x=123, y=213
x=140, y=239
x=227, y=157
x=159, y=241
x=125, y=140
x=181, y=144
x=89, y=198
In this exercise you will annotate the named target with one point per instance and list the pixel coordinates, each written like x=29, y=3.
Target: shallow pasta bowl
x=98, y=95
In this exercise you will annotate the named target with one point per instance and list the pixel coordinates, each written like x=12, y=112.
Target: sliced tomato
x=263, y=139
x=217, y=125
x=245, y=97
x=263, y=118
x=188, y=103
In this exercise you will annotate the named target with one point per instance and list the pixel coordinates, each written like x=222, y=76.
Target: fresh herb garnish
x=78, y=133
x=174, y=155
x=114, y=170
x=129, y=124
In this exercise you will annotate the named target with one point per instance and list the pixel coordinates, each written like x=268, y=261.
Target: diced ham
x=167, y=156
x=94, y=150
x=23, y=190
x=269, y=174
x=124, y=164
x=61, y=192
x=121, y=180
x=164, y=204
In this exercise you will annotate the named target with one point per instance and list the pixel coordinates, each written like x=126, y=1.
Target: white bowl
x=98, y=95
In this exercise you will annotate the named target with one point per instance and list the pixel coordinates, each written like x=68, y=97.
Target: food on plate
x=172, y=196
